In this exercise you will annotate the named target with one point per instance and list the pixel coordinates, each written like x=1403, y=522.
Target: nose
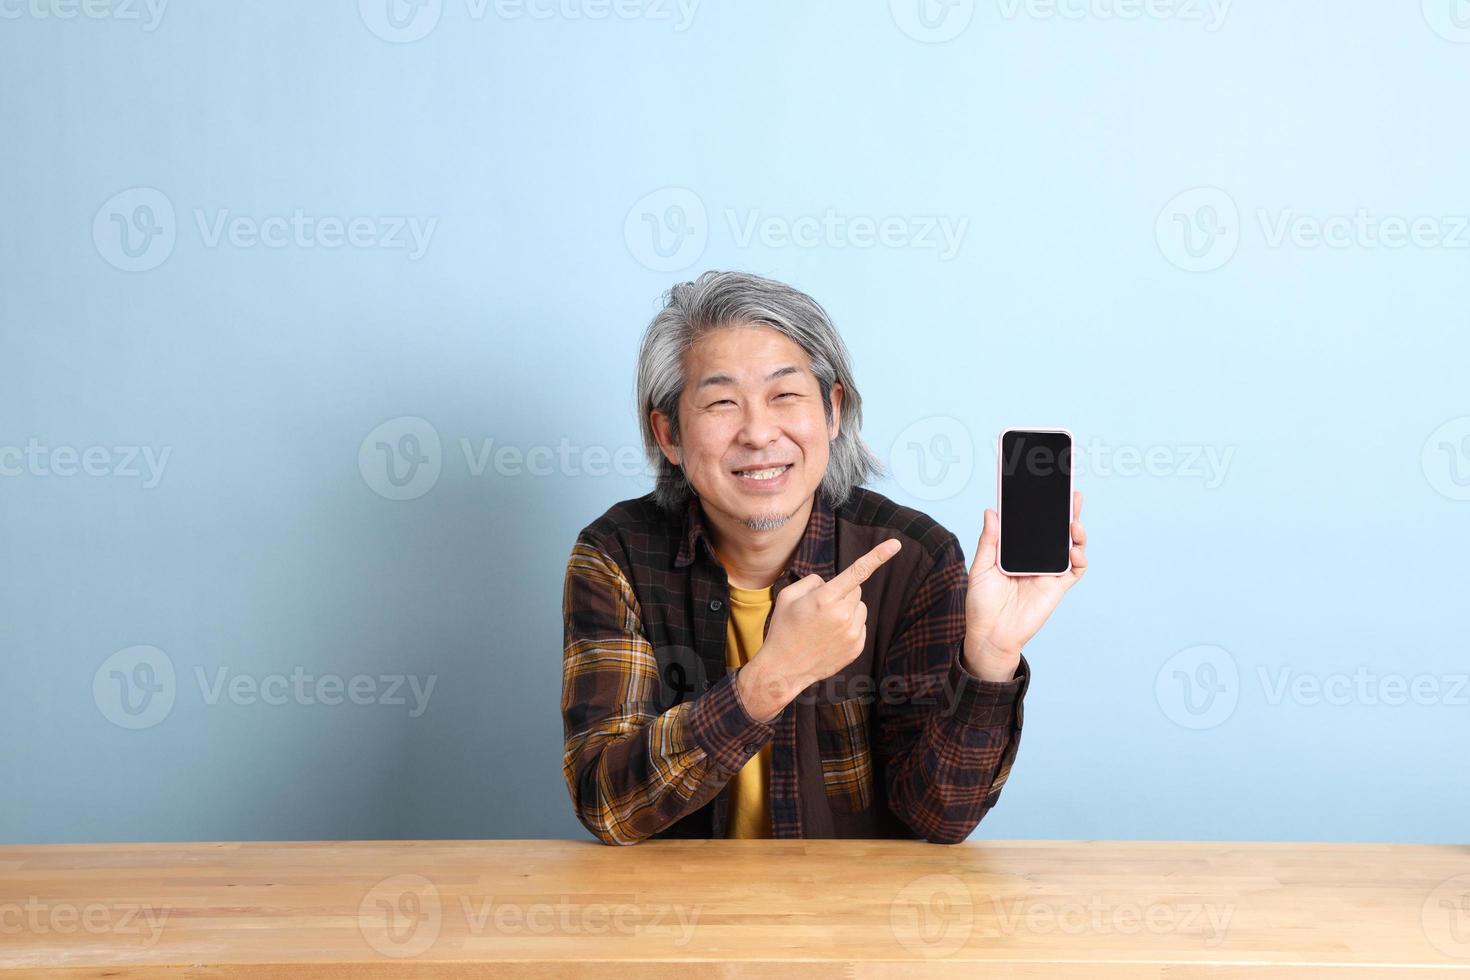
x=758, y=427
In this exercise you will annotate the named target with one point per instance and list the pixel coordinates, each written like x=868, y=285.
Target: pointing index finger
x=857, y=573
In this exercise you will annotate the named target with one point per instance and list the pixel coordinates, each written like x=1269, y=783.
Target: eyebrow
x=725, y=379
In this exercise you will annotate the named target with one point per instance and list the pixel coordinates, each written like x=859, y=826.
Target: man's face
x=750, y=402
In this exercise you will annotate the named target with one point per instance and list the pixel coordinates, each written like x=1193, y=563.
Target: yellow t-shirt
x=750, y=798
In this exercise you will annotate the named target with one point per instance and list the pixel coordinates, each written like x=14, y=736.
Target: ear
x=664, y=433
x=836, y=396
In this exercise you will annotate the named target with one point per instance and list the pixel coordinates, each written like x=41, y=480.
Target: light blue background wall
x=1069, y=152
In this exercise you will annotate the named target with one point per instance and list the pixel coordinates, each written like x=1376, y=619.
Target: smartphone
x=1034, y=494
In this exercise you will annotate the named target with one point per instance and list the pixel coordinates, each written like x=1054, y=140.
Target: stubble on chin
x=767, y=522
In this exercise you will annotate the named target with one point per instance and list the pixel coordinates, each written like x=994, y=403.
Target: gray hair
x=726, y=299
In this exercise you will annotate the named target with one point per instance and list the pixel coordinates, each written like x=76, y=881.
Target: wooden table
x=667, y=909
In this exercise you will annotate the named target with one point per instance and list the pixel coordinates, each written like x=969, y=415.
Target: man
x=762, y=647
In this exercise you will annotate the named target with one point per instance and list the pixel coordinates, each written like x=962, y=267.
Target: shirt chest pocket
x=847, y=757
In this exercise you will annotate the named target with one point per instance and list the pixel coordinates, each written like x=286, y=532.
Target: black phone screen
x=1035, y=501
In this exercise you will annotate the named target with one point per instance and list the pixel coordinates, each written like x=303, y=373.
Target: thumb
x=989, y=538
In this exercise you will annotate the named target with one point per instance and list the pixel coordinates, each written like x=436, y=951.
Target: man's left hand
x=1003, y=612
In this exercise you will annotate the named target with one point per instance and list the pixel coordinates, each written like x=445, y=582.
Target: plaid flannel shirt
x=904, y=742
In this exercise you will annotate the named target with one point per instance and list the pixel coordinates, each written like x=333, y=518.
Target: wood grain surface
x=729, y=908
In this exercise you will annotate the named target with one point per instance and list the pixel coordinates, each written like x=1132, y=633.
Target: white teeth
x=769, y=474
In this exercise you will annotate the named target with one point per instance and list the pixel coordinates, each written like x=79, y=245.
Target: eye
x=722, y=401
x=791, y=394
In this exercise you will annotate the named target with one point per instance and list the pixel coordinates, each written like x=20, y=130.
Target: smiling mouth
x=767, y=473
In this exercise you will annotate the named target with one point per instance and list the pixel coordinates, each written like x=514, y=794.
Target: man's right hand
x=817, y=628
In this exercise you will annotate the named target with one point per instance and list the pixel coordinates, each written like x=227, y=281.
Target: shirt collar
x=814, y=552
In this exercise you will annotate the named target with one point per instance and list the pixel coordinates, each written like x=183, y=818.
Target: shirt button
x=715, y=604
x=751, y=748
